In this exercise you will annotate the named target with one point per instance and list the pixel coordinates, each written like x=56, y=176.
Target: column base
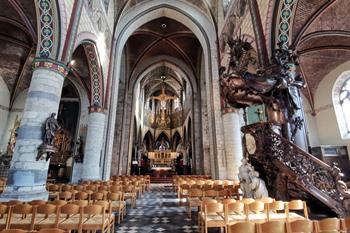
x=24, y=196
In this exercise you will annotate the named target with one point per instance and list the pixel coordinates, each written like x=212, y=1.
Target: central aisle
x=158, y=211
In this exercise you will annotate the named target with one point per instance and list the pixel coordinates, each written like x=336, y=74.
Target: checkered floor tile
x=158, y=211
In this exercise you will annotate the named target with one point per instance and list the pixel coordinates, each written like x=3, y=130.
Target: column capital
x=98, y=109
x=53, y=65
x=226, y=110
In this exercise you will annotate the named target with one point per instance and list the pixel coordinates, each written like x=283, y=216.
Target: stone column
x=233, y=142
x=27, y=176
x=93, y=144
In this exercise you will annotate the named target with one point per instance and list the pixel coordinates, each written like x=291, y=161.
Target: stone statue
x=250, y=183
x=51, y=127
x=47, y=149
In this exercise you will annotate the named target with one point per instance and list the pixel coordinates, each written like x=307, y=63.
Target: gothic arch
x=176, y=140
x=148, y=141
x=204, y=29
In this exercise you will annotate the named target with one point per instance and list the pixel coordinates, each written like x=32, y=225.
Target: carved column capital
x=51, y=65
x=226, y=110
x=99, y=109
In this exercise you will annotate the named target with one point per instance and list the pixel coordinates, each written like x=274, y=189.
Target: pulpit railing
x=277, y=154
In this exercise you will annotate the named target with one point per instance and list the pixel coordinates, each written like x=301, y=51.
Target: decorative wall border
x=48, y=28
x=52, y=65
x=284, y=21
x=95, y=75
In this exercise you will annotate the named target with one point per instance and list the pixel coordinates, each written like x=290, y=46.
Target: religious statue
x=47, y=149
x=51, y=127
x=250, y=183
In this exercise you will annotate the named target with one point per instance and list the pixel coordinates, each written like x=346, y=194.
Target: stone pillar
x=233, y=142
x=93, y=144
x=27, y=176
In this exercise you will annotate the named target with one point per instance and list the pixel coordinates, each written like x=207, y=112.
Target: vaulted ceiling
x=321, y=36
x=168, y=38
x=17, y=44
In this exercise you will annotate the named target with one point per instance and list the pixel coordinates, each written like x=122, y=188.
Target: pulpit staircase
x=289, y=172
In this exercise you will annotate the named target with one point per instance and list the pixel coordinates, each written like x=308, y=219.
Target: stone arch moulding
x=340, y=81
x=96, y=75
x=49, y=29
x=204, y=29
x=173, y=63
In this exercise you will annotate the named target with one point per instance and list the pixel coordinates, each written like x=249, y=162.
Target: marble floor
x=159, y=211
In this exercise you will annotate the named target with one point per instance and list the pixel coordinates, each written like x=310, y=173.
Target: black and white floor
x=158, y=211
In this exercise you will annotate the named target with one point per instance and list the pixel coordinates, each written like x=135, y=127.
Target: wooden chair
x=14, y=202
x=51, y=230
x=99, y=196
x=234, y=212
x=59, y=202
x=301, y=226
x=53, y=191
x=95, y=218
x=4, y=216
x=70, y=217
x=345, y=224
x=201, y=210
x=46, y=216
x=130, y=193
x=80, y=203
x=118, y=204
x=22, y=217
x=276, y=211
x=210, y=194
x=242, y=227
x=296, y=205
x=257, y=212
x=116, y=188
x=66, y=187
x=65, y=195
x=13, y=231
x=81, y=195
x=328, y=225
x=213, y=216
x=193, y=200
x=272, y=227
x=222, y=194
x=37, y=202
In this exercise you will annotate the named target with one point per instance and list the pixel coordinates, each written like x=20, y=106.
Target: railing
x=306, y=171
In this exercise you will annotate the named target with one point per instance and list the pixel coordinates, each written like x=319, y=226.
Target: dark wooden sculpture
x=285, y=167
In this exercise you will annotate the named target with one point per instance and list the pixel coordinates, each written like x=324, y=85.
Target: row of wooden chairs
x=226, y=212
x=208, y=190
x=130, y=193
x=97, y=216
x=116, y=200
x=44, y=230
x=328, y=225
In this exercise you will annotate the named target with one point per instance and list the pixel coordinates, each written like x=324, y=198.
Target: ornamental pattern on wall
x=46, y=27
x=95, y=75
x=284, y=21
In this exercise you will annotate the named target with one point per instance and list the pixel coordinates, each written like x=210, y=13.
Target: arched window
x=344, y=99
x=341, y=102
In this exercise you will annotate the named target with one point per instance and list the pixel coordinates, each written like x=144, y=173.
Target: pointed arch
x=148, y=141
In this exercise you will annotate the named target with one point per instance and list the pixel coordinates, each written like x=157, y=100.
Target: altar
x=162, y=162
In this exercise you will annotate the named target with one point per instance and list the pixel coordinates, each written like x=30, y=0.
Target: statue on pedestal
x=47, y=149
